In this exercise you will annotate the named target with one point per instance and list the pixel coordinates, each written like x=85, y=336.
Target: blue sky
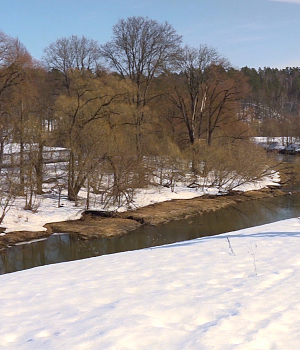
x=253, y=33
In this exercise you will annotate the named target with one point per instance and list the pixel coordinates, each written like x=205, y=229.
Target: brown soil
x=95, y=225
x=162, y=213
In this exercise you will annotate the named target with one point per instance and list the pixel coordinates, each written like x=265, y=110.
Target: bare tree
x=70, y=53
x=83, y=117
x=227, y=165
x=224, y=92
x=139, y=50
x=8, y=192
x=14, y=57
x=27, y=114
x=199, y=92
x=14, y=60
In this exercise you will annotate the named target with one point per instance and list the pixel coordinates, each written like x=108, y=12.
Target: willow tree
x=139, y=51
x=83, y=120
x=14, y=61
x=14, y=57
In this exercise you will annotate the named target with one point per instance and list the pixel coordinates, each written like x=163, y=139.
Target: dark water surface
x=64, y=247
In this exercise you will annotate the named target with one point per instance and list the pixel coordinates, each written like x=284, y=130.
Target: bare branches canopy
x=141, y=48
x=72, y=53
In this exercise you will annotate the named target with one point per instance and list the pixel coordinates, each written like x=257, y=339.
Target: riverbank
x=156, y=206
x=93, y=225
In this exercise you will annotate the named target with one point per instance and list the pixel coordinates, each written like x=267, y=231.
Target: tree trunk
x=71, y=192
x=22, y=170
x=1, y=153
x=39, y=170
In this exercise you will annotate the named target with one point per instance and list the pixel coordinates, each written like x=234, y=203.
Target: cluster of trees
x=139, y=107
x=273, y=101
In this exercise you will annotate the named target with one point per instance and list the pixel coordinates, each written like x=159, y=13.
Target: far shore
x=94, y=224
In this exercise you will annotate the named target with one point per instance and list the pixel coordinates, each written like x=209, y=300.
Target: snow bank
x=240, y=292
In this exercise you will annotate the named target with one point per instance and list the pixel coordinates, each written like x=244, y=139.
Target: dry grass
x=88, y=228
x=161, y=213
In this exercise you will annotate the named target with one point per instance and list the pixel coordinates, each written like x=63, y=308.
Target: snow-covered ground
x=47, y=205
x=238, y=290
x=284, y=140
x=288, y=144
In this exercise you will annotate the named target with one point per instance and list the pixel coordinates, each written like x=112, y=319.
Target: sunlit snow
x=238, y=290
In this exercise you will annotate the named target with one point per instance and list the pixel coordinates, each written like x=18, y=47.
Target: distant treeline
x=273, y=99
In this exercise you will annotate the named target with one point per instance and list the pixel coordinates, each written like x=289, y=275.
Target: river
x=63, y=247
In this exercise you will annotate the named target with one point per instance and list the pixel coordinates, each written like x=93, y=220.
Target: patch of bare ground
x=162, y=213
x=90, y=227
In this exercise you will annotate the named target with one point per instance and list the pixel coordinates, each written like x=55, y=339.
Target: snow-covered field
x=240, y=292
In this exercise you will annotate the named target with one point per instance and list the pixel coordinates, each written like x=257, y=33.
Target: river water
x=64, y=247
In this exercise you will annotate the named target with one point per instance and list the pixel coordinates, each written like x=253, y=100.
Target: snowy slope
x=240, y=293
